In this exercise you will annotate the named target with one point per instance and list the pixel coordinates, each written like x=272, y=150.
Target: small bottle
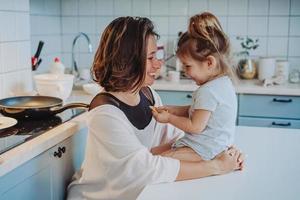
x=57, y=67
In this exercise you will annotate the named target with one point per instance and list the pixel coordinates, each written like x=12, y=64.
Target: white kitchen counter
x=272, y=171
x=242, y=87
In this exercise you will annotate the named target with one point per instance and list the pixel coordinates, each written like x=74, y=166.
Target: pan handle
x=56, y=110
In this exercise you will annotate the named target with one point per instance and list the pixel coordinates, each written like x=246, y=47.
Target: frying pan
x=34, y=106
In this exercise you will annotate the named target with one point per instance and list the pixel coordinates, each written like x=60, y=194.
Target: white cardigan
x=118, y=163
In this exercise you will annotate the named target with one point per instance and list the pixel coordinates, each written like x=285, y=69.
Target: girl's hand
x=161, y=115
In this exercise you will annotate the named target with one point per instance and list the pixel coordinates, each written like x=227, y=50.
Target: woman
x=122, y=148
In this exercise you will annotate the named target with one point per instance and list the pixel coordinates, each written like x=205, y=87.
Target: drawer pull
x=281, y=124
x=188, y=96
x=283, y=100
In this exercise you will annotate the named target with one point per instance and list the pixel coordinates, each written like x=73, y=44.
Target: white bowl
x=56, y=85
x=92, y=88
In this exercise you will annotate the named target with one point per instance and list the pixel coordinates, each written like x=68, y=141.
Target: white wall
x=275, y=22
x=15, y=67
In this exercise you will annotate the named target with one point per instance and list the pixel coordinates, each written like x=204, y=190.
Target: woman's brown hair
x=205, y=37
x=120, y=61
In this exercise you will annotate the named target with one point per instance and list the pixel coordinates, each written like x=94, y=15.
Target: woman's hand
x=160, y=114
x=229, y=160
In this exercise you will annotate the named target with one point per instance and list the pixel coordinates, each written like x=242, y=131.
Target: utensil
x=35, y=61
x=35, y=106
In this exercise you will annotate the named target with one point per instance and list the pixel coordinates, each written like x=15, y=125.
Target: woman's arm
x=195, y=125
x=225, y=162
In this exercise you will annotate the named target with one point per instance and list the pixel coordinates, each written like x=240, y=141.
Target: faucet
x=74, y=69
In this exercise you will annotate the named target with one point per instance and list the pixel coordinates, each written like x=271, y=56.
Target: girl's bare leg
x=183, y=153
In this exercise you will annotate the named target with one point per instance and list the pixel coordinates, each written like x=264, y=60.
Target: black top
x=139, y=116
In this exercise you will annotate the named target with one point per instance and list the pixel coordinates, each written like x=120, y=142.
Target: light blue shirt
x=217, y=96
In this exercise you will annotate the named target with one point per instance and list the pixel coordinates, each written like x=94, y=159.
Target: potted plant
x=246, y=66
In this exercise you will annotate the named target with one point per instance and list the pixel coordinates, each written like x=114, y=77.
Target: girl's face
x=152, y=63
x=199, y=71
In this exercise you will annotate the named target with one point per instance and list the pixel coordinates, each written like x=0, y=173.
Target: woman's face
x=152, y=63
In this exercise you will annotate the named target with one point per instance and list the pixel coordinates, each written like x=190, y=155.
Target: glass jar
x=294, y=76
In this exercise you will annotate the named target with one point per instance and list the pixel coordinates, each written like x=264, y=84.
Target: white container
x=56, y=85
x=282, y=69
x=266, y=68
x=57, y=67
x=92, y=88
x=174, y=76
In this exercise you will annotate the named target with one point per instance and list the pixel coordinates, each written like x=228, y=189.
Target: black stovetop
x=26, y=130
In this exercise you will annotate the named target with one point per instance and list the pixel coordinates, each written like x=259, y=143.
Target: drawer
x=175, y=97
x=269, y=106
x=269, y=122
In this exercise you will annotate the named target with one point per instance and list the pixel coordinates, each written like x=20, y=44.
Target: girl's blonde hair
x=205, y=37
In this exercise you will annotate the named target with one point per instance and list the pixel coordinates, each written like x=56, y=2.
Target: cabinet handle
x=281, y=124
x=62, y=149
x=283, y=100
x=188, y=96
x=57, y=154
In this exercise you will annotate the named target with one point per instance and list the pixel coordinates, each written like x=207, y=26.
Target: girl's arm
x=195, y=125
x=177, y=110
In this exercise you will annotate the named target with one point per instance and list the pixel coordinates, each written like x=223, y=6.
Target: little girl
x=209, y=123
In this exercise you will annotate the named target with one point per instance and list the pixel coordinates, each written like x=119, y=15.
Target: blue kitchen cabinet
x=254, y=110
x=175, y=97
x=47, y=175
x=269, y=111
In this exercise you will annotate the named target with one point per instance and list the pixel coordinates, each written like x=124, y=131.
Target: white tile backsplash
x=122, y=7
x=197, y=6
x=69, y=7
x=218, y=7
x=177, y=24
x=278, y=26
x=102, y=23
x=295, y=26
x=279, y=7
x=69, y=25
x=178, y=7
x=9, y=56
x=52, y=7
x=258, y=26
x=104, y=7
x=161, y=25
x=294, y=44
x=258, y=7
x=22, y=26
x=7, y=5
x=295, y=7
x=159, y=7
x=277, y=46
x=141, y=8
x=8, y=23
x=87, y=7
x=87, y=24
x=237, y=25
x=238, y=7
